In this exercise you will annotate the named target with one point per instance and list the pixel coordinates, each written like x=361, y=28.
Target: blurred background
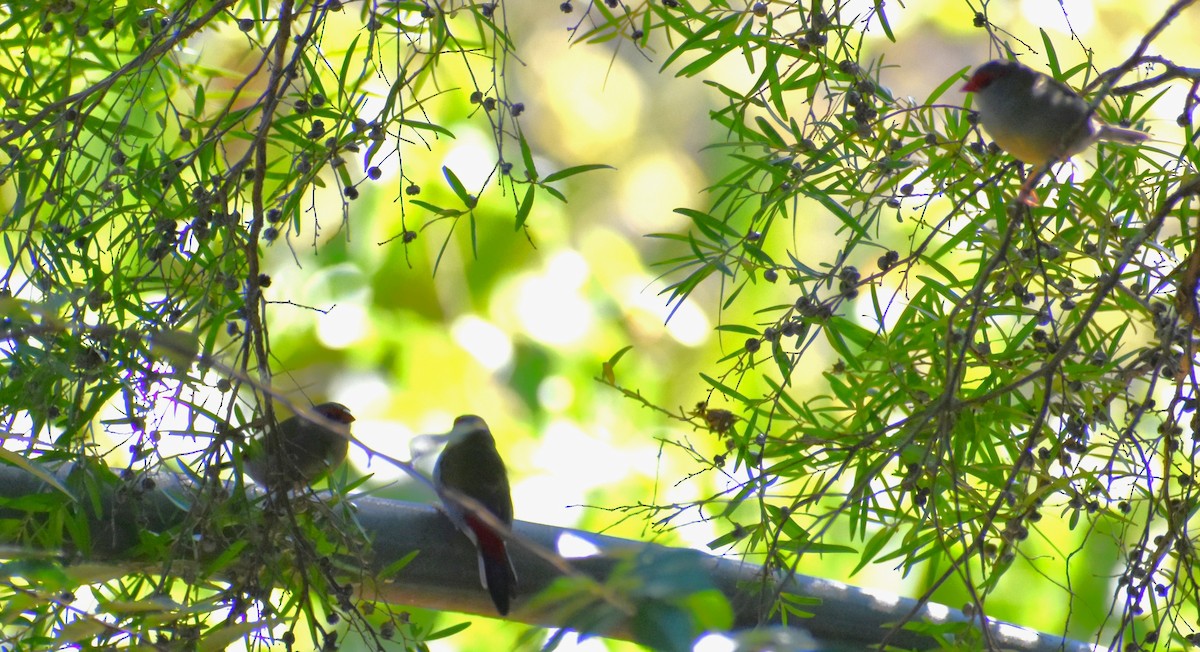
x=474, y=316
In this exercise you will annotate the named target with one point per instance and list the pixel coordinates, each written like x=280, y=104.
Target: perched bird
x=470, y=466
x=1035, y=117
x=298, y=451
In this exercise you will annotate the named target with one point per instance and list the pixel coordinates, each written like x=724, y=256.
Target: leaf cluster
x=954, y=383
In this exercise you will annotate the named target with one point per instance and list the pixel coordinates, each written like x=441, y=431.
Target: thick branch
x=443, y=575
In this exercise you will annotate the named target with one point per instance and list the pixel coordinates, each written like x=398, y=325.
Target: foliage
x=154, y=153
x=1011, y=387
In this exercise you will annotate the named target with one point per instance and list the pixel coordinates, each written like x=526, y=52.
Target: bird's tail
x=501, y=581
x=496, y=571
x=1122, y=135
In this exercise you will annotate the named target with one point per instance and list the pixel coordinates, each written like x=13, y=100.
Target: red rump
x=495, y=569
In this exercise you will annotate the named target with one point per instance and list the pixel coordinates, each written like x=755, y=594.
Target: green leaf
x=447, y=632
x=525, y=208
x=710, y=610
x=527, y=156
x=837, y=209
x=224, y=635
x=1051, y=55
x=662, y=626
x=701, y=64
x=47, y=575
x=767, y=130
x=725, y=389
x=445, y=212
x=709, y=225
x=572, y=171
x=36, y=470
x=426, y=126
x=950, y=82
x=883, y=21
x=874, y=546
x=395, y=567
x=457, y=187
x=741, y=330
x=609, y=366
x=694, y=40
x=782, y=362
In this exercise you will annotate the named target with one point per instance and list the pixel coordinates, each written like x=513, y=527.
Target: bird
x=471, y=466
x=1035, y=117
x=299, y=451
